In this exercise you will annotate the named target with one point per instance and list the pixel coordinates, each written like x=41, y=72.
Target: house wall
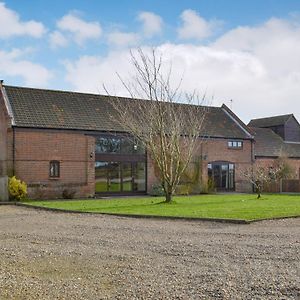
x=217, y=150
x=212, y=150
x=294, y=163
x=34, y=149
x=289, y=185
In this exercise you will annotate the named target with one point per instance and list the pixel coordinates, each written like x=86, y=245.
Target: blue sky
x=247, y=51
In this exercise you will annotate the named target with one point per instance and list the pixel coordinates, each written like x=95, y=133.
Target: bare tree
x=168, y=130
x=285, y=170
x=260, y=175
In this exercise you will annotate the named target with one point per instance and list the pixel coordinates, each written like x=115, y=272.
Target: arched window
x=222, y=174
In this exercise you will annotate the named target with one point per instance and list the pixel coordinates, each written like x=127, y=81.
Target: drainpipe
x=252, y=160
x=14, y=150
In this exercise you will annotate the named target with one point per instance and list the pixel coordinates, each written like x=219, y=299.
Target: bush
x=68, y=194
x=17, y=189
x=157, y=190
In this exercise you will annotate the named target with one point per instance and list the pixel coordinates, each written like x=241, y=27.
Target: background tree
x=170, y=132
x=260, y=175
x=284, y=168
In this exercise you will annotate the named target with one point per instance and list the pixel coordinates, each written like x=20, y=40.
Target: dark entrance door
x=222, y=175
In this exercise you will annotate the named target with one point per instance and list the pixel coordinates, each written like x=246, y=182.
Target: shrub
x=211, y=185
x=208, y=187
x=157, y=190
x=68, y=194
x=17, y=189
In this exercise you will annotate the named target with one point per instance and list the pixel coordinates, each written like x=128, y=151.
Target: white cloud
x=196, y=27
x=12, y=64
x=258, y=67
x=11, y=25
x=100, y=70
x=79, y=29
x=57, y=39
x=152, y=23
x=123, y=39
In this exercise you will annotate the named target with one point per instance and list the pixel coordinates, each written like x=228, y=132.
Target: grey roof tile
x=270, y=121
x=40, y=108
x=269, y=144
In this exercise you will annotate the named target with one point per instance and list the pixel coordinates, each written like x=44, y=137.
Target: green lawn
x=229, y=206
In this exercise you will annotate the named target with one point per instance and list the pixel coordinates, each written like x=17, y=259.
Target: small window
x=235, y=144
x=54, y=169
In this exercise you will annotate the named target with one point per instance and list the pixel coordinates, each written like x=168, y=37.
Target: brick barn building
x=59, y=141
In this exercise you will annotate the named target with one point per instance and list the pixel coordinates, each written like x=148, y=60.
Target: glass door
x=126, y=177
x=222, y=174
x=114, y=177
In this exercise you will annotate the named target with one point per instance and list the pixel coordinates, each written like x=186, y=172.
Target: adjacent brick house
x=275, y=137
x=64, y=142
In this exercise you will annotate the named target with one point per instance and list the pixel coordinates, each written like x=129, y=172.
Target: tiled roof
x=39, y=108
x=269, y=144
x=270, y=121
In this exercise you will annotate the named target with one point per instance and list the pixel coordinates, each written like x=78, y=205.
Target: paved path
x=48, y=255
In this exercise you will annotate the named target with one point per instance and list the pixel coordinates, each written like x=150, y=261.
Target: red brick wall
x=34, y=149
x=274, y=187
x=217, y=150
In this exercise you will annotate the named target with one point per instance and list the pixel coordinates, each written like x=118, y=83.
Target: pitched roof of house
x=270, y=144
x=270, y=121
x=40, y=108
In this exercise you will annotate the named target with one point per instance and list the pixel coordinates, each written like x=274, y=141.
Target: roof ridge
x=100, y=95
x=285, y=115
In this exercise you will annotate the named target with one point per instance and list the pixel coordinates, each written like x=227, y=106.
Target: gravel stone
x=53, y=255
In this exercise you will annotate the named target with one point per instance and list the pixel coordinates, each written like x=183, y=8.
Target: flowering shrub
x=17, y=189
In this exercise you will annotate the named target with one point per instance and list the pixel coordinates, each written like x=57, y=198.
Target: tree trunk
x=258, y=192
x=169, y=197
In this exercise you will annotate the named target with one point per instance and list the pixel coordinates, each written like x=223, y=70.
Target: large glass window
x=120, y=164
x=120, y=176
x=118, y=144
x=108, y=145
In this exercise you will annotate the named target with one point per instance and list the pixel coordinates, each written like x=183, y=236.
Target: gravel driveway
x=49, y=255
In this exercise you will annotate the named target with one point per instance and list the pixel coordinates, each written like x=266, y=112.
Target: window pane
x=108, y=145
x=127, y=145
x=138, y=147
x=114, y=178
x=101, y=172
x=127, y=177
x=139, y=177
